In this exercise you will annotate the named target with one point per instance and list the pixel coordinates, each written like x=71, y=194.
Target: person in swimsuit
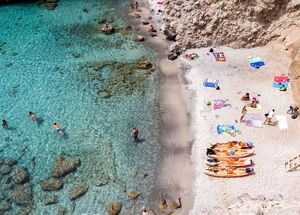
x=58, y=129
x=135, y=134
x=244, y=111
x=33, y=116
x=246, y=97
x=4, y=123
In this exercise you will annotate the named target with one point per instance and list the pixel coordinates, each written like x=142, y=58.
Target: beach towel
x=281, y=78
x=282, y=122
x=253, y=120
x=279, y=85
x=220, y=103
x=226, y=129
x=220, y=56
x=258, y=107
x=256, y=62
x=211, y=83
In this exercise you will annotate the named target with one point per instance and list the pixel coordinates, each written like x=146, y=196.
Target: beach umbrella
x=256, y=62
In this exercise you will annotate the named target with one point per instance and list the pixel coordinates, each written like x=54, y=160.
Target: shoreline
x=174, y=177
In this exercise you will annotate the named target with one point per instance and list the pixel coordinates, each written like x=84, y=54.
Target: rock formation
x=235, y=23
x=63, y=166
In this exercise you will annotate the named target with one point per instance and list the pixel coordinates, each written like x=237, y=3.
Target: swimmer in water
x=58, y=129
x=4, y=123
x=33, y=116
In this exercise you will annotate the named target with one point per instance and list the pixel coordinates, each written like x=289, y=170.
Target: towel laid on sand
x=226, y=129
x=282, y=122
x=221, y=103
x=220, y=56
x=253, y=120
x=211, y=83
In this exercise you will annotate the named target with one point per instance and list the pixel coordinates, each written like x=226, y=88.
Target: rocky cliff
x=235, y=23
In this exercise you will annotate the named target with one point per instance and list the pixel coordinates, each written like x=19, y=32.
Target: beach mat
x=256, y=62
x=220, y=56
x=279, y=85
x=258, y=107
x=253, y=120
x=211, y=83
x=220, y=103
x=281, y=78
x=282, y=122
x=226, y=129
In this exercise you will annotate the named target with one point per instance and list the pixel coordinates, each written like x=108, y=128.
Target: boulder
x=51, y=184
x=170, y=35
x=77, y=191
x=24, y=211
x=138, y=38
x=144, y=64
x=10, y=161
x=5, y=169
x=20, y=175
x=64, y=166
x=22, y=195
x=132, y=194
x=61, y=211
x=5, y=206
x=107, y=28
x=114, y=208
x=50, y=200
x=163, y=205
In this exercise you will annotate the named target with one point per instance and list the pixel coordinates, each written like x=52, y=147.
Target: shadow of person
x=39, y=121
x=141, y=140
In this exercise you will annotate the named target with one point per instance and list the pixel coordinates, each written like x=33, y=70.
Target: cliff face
x=235, y=23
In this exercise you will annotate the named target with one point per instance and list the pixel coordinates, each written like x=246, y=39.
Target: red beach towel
x=281, y=79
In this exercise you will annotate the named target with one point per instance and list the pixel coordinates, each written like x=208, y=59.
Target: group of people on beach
x=253, y=102
x=33, y=117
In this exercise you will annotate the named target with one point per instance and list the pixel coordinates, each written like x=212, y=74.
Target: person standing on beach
x=244, y=111
x=4, y=123
x=269, y=117
x=136, y=5
x=32, y=116
x=135, y=134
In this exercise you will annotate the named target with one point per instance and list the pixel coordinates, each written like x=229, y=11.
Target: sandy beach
x=272, y=146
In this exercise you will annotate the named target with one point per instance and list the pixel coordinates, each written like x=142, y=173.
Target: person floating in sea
x=135, y=134
x=32, y=116
x=269, y=117
x=4, y=123
x=58, y=129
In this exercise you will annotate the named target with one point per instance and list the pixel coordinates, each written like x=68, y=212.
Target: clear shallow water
x=43, y=61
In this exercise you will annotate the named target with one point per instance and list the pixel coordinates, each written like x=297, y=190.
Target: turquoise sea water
x=43, y=68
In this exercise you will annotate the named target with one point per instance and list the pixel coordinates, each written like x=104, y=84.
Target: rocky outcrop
x=235, y=23
x=22, y=195
x=64, y=166
x=20, y=175
x=77, y=191
x=114, y=208
x=51, y=184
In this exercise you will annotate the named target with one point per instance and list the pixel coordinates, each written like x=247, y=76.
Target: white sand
x=272, y=146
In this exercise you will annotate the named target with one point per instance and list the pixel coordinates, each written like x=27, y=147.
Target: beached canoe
x=228, y=173
x=231, y=153
x=232, y=145
x=240, y=162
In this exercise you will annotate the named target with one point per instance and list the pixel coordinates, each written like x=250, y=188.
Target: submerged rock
x=10, y=161
x=64, y=166
x=61, y=211
x=77, y=191
x=114, y=208
x=5, y=169
x=144, y=64
x=163, y=205
x=51, y=184
x=5, y=206
x=20, y=175
x=22, y=195
x=133, y=195
x=107, y=28
x=49, y=200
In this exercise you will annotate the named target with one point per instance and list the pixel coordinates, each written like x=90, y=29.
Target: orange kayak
x=228, y=173
x=231, y=153
x=239, y=162
x=231, y=145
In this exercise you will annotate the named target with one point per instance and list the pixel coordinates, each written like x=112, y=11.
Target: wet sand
x=175, y=172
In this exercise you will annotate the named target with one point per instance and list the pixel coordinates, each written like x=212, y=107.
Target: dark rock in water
x=20, y=175
x=51, y=184
x=170, y=35
x=2, y=196
x=10, y=161
x=5, y=169
x=64, y=166
x=174, y=53
x=77, y=191
x=105, y=93
x=133, y=195
x=48, y=4
x=5, y=206
x=100, y=181
x=61, y=211
x=23, y=211
x=144, y=64
x=107, y=28
x=1, y=160
x=22, y=195
x=114, y=208
x=50, y=200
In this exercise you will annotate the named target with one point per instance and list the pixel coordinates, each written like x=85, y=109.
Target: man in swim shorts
x=33, y=116
x=58, y=129
x=4, y=123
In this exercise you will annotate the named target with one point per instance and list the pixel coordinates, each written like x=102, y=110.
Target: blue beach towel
x=279, y=85
x=256, y=62
x=222, y=128
x=211, y=83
